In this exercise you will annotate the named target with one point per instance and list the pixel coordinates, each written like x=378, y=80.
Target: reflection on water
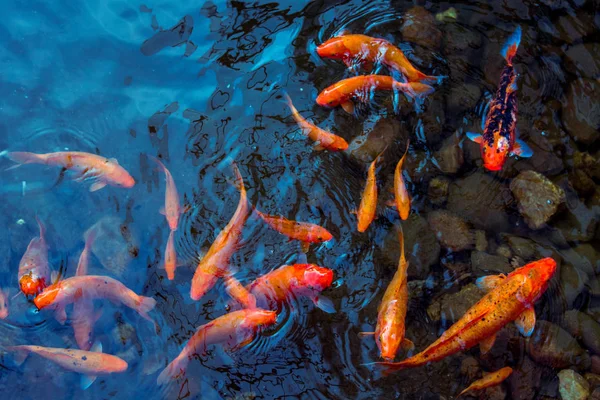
x=199, y=85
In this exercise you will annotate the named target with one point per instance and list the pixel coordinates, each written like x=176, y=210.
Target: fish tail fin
x=144, y=306
x=157, y=161
x=386, y=367
x=512, y=44
x=416, y=90
x=380, y=155
x=428, y=79
x=42, y=227
x=239, y=181
x=175, y=369
x=20, y=354
x=401, y=241
x=24, y=157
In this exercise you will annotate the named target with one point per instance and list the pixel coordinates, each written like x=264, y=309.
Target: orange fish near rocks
x=324, y=140
x=401, y=196
x=368, y=202
x=86, y=167
x=233, y=331
x=34, y=272
x=368, y=50
x=71, y=290
x=303, y=231
x=215, y=262
x=360, y=88
x=489, y=380
x=172, y=209
x=389, y=333
x=510, y=298
x=89, y=363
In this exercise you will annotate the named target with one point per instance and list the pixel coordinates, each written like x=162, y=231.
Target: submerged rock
x=438, y=190
x=580, y=112
x=450, y=158
x=419, y=27
x=115, y=244
x=481, y=242
x=525, y=380
x=572, y=282
x=592, y=379
x=538, y=198
x=384, y=132
x=554, y=347
x=584, y=328
x=452, y=231
x=488, y=264
x=451, y=307
x=583, y=59
x=572, y=386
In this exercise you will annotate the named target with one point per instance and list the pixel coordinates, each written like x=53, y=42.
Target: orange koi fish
x=170, y=256
x=323, y=139
x=172, y=210
x=233, y=331
x=89, y=363
x=71, y=290
x=239, y=293
x=83, y=317
x=303, y=231
x=499, y=132
x=389, y=333
x=306, y=280
x=510, y=298
x=360, y=87
x=3, y=304
x=34, y=273
x=367, y=51
x=401, y=195
x=86, y=167
x=489, y=380
x=216, y=261
x=368, y=203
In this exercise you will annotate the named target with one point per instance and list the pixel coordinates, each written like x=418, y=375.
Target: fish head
x=388, y=341
x=315, y=277
x=3, y=305
x=494, y=154
x=334, y=48
x=539, y=274
x=329, y=97
x=48, y=297
x=339, y=144
x=123, y=179
x=318, y=234
x=260, y=318
x=31, y=284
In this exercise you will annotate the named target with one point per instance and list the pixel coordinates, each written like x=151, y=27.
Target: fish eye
x=319, y=237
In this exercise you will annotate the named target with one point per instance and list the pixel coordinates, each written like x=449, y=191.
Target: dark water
x=199, y=84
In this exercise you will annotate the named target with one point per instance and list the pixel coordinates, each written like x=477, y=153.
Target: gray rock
x=451, y=307
x=572, y=386
x=488, y=264
x=538, y=198
x=593, y=380
x=572, y=282
x=584, y=328
x=552, y=346
x=480, y=200
x=481, y=242
x=450, y=158
x=522, y=247
x=525, y=380
x=384, y=132
x=462, y=97
x=116, y=245
x=438, y=190
x=582, y=59
x=504, y=251
x=595, y=394
x=580, y=111
x=452, y=231
x=418, y=26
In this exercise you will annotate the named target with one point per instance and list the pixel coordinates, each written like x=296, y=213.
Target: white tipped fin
x=113, y=160
x=486, y=344
x=526, y=322
x=522, y=149
x=324, y=304
x=162, y=211
x=86, y=381
x=97, y=186
x=489, y=282
x=348, y=106
x=475, y=137
x=96, y=347
x=20, y=355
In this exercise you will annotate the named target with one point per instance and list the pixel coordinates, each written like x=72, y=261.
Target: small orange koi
x=489, y=380
x=368, y=203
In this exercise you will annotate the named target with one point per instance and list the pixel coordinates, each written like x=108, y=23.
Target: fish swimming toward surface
x=500, y=130
x=368, y=202
x=489, y=380
x=3, y=303
x=86, y=167
x=366, y=50
x=172, y=209
x=34, y=272
x=510, y=298
x=324, y=140
x=401, y=196
x=391, y=314
x=233, y=331
x=305, y=232
x=89, y=363
x=297, y=280
x=90, y=287
x=215, y=262
x=360, y=87
x=170, y=263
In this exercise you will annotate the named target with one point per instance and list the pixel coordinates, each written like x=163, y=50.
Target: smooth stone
x=384, y=133
x=449, y=308
x=481, y=242
x=572, y=282
x=450, y=157
x=537, y=197
x=438, y=190
x=572, y=386
x=593, y=380
x=419, y=26
x=525, y=380
x=452, y=231
x=580, y=114
x=582, y=59
x=584, y=328
x=489, y=264
x=522, y=247
x=552, y=346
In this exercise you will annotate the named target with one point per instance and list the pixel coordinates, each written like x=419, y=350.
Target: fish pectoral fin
x=324, y=304
x=486, y=344
x=521, y=149
x=96, y=347
x=526, y=322
x=348, y=106
x=113, y=160
x=305, y=246
x=162, y=211
x=475, y=137
x=318, y=147
x=365, y=334
x=489, y=282
x=19, y=356
x=86, y=381
x=407, y=345
x=97, y=186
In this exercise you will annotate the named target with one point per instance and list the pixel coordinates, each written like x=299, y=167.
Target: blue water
x=110, y=77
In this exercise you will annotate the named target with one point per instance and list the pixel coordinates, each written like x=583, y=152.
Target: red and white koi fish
x=233, y=331
x=360, y=87
x=34, y=272
x=489, y=380
x=389, y=333
x=86, y=167
x=324, y=140
x=510, y=298
x=369, y=50
x=89, y=363
x=71, y=290
x=215, y=262
x=499, y=132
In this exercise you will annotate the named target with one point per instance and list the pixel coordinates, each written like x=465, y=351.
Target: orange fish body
x=239, y=293
x=489, y=380
x=368, y=202
x=3, y=304
x=216, y=261
x=86, y=166
x=360, y=87
x=401, y=196
x=82, y=317
x=324, y=139
x=233, y=331
x=511, y=298
x=91, y=287
x=172, y=210
x=368, y=50
x=34, y=272
x=298, y=280
x=170, y=256
x=302, y=231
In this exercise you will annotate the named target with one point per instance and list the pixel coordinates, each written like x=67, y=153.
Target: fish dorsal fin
x=475, y=137
x=55, y=277
x=113, y=160
x=348, y=106
x=96, y=347
x=486, y=344
x=489, y=282
x=343, y=32
x=526, y=322
x=324, y=304
x=86, y=381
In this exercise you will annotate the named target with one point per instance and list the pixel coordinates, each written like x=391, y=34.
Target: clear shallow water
x=98, y=77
